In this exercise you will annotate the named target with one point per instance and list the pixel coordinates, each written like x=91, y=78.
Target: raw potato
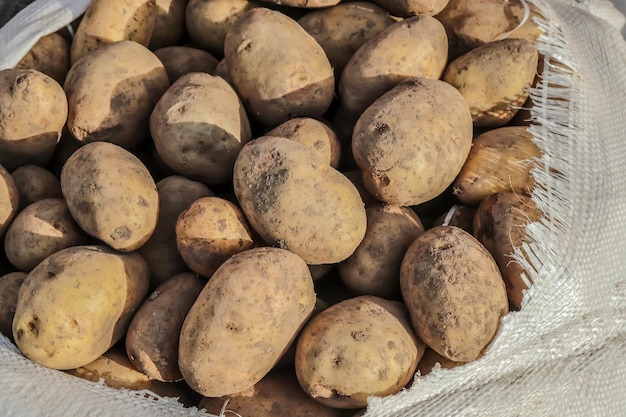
x=374, y=267
x=411, y=143
x=454, y=292
x=413, y=47
x=246, y=316
x=169, y=24
x=181, y=60
x=9, y=200
x=295, y=200
x=458, y=215
x=9, y=287
x=111, y=195
x=500, y=225
x=176, y=193
x=342, y=29
x=221, y=70
x=279, y=70
x=50, y=55
x=312, y=133
x=153, y=334
x=406, y=8
x=494, y=79
x=77, y=303
x=500, y=160
x=41, y=229
x=199, y=127
x=35, y=183
x=210, y=231
x=357, y=348
x=33, y=111
x=109, y=21
x=304, y=3
x=118, y=80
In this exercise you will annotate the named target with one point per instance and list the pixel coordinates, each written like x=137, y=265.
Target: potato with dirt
x=9, y=200
x=9, y=288
x=407, y=8
x=181, y=60
x=169, y=24
x=50, y=55
x=35, y=183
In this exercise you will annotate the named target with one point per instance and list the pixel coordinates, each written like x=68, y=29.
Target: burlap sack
x=564, y=353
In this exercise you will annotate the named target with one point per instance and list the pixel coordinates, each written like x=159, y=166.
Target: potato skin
x=77, y=303
x=270, y=177
x=111, y=195
x=454, y=292
x=35, y=183
x=50, y=55
x=9, y=288
x=169, y=24
x=181, y=60
x=308, y=4
x=406, y=8
x=9, y=200
x=244, y=319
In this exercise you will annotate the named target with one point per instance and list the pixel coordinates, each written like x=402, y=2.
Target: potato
x=210, y=231
x=342, y=29
x=169, y=24
x=111, y=94
x=458, y=215
x=454, y=292
x=304, y=3
x=500, y=225
x=312, y=133
x=279, y=70
x=9, y=287
x=76, y=304
x=294, y=199
x=111, y=195
x=35, y=183
x=357, y=348
x=494, y=79
x=50, y=55
x=155, y=352
x=176, y=193
x=221, y=70
x=9, y=200
x=181, y=60
x=34, y=110
x=41, y=229
x=406, y=8
x=244, y=319
x=374, y=267
x=413, y=47
x=198, y=128
x=110, y=21
x=411, y=143
x=277, y=394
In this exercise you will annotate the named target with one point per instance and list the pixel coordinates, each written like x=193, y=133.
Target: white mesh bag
x=564, y=353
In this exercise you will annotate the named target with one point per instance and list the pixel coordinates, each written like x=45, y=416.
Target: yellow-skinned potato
x=169, y=24
x=494, y=79
x=308, y=4
x=279, y=70
x=35, y=183
x=500, y=225
x=500, y=160
x=50, y=55
x=111, y=195
x=413, y=47
x=312, y=133
x=39, y=230
x=342, y=29
x=210, y=231
x=406, y=8
x=9, y=288
x=355, y=349
x=109, y=21
x=181, y=60
x=112, y=92
x=246, y=316
x=454, y=292
x=34, y=111
x=411, y=143
x=9, y=200
x=295, y=200
x=199, y=126
x=77, y=303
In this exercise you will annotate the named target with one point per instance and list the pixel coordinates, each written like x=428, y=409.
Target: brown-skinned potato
x=35, y=183
x=9, y=200
x=9, y=288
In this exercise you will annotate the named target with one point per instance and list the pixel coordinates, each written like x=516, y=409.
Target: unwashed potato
x=413, y=47
x=406, y=8
x=458, y=215
x=35, y=183
x=246, y=316
x=111, y=195
x=500, y=160
x=355, y=349
x=411, y=143
x=117, y=80
x=169, y=25
x=210, y=231
x=39, y=230
x=109, y=21
x=153, y=334
x=500, y=225
x=50, y=55
x=9, y=287
x=494, y=79
x=34, y=111
x=221, y=70
x=295, y=200
x=181, y=60
x=199, y=126
x=77, y=303
x=454, y=292
x=279, y=70
x=9, y=200
x=304, y=3
x=374, y=267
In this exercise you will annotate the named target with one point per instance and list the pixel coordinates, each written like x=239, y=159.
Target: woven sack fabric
x=563, y=353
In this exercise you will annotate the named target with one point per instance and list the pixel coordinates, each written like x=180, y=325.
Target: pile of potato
x=289, y=205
